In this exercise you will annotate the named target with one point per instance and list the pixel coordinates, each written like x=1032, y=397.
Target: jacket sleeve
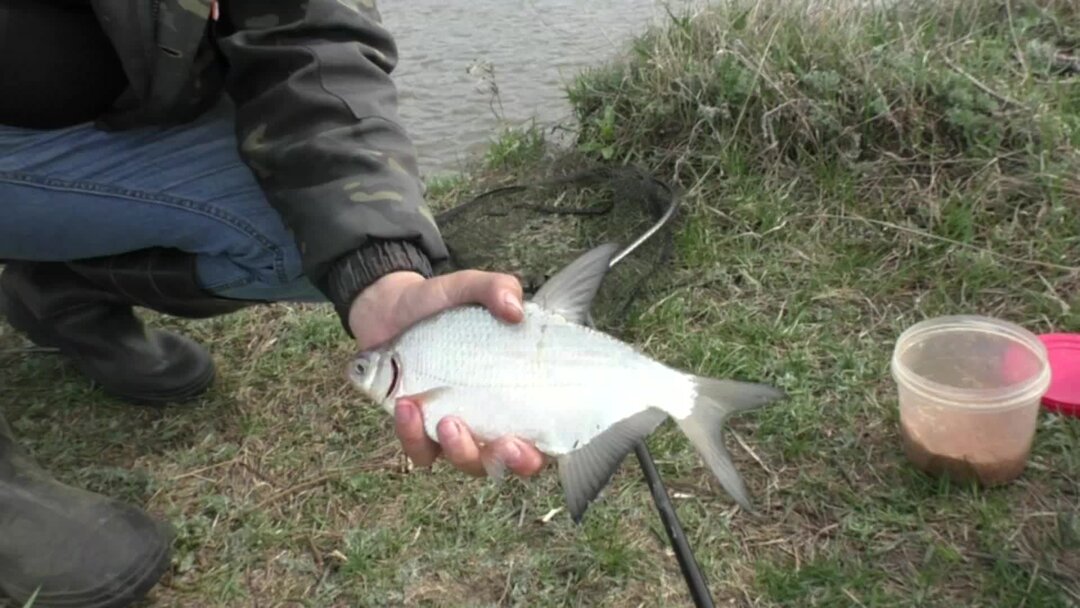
x=317, y=124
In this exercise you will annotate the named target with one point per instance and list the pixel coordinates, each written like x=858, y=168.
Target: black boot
x=73, y=547
x=85, y=310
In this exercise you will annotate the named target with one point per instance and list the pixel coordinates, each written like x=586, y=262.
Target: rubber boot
x=85, y=309
x=70, y=546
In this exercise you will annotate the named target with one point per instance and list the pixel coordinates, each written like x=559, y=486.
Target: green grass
x=846, y=174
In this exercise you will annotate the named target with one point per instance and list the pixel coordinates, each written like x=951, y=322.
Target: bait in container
x=969, y=391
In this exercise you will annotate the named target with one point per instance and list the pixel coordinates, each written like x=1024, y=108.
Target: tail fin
x=716, y=401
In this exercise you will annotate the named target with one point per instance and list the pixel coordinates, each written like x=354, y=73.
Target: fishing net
x=538, y=224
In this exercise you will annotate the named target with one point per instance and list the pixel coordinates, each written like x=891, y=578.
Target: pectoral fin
x=571, y=291
x=586, y=471
x=425, y=399
x=493, y=466
x=427, y=396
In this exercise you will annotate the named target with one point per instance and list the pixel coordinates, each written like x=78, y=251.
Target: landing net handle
x=691, y=570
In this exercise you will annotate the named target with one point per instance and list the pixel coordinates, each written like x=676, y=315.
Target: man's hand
x=400, y=299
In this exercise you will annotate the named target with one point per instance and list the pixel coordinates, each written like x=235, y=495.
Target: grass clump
x=848, y=170
x=792, y=87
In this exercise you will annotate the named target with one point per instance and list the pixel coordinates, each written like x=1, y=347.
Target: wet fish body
x=579, y=395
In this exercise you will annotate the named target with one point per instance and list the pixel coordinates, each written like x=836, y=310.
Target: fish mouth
x=395, y=381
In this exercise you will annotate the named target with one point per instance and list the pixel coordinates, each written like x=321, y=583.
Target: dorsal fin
x=571, y=291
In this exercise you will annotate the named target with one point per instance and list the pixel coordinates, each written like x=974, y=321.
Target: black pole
x=691, y=571
x=695, y=581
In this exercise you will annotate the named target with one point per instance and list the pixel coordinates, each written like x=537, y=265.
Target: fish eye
x=359, y=367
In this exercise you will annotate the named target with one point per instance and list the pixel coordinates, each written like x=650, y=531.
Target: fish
x=579, y=395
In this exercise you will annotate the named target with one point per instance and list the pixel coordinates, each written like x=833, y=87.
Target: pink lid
x=1063, y=396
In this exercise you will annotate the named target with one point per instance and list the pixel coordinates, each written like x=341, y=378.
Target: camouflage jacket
x=316, y=119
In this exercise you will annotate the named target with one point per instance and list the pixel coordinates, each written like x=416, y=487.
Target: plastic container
x=969, y=396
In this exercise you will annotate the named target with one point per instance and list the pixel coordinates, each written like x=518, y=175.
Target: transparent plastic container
x=969, y=395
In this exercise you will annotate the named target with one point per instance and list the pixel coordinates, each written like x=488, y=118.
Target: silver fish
x=579, y=395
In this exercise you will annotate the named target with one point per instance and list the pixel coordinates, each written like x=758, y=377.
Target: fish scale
x=575, y=393
x=544, y=349
x=545, y=379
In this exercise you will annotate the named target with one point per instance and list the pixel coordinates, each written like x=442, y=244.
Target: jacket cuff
x=355, y=271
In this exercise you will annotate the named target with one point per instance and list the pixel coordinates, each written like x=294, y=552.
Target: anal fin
x=586, y=471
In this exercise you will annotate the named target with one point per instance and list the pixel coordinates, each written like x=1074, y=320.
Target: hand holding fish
x=545, y=376
x=399, y=300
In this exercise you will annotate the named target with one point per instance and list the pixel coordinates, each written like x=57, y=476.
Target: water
x=533, y=46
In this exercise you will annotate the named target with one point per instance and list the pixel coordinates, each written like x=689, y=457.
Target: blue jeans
x=80, y=192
